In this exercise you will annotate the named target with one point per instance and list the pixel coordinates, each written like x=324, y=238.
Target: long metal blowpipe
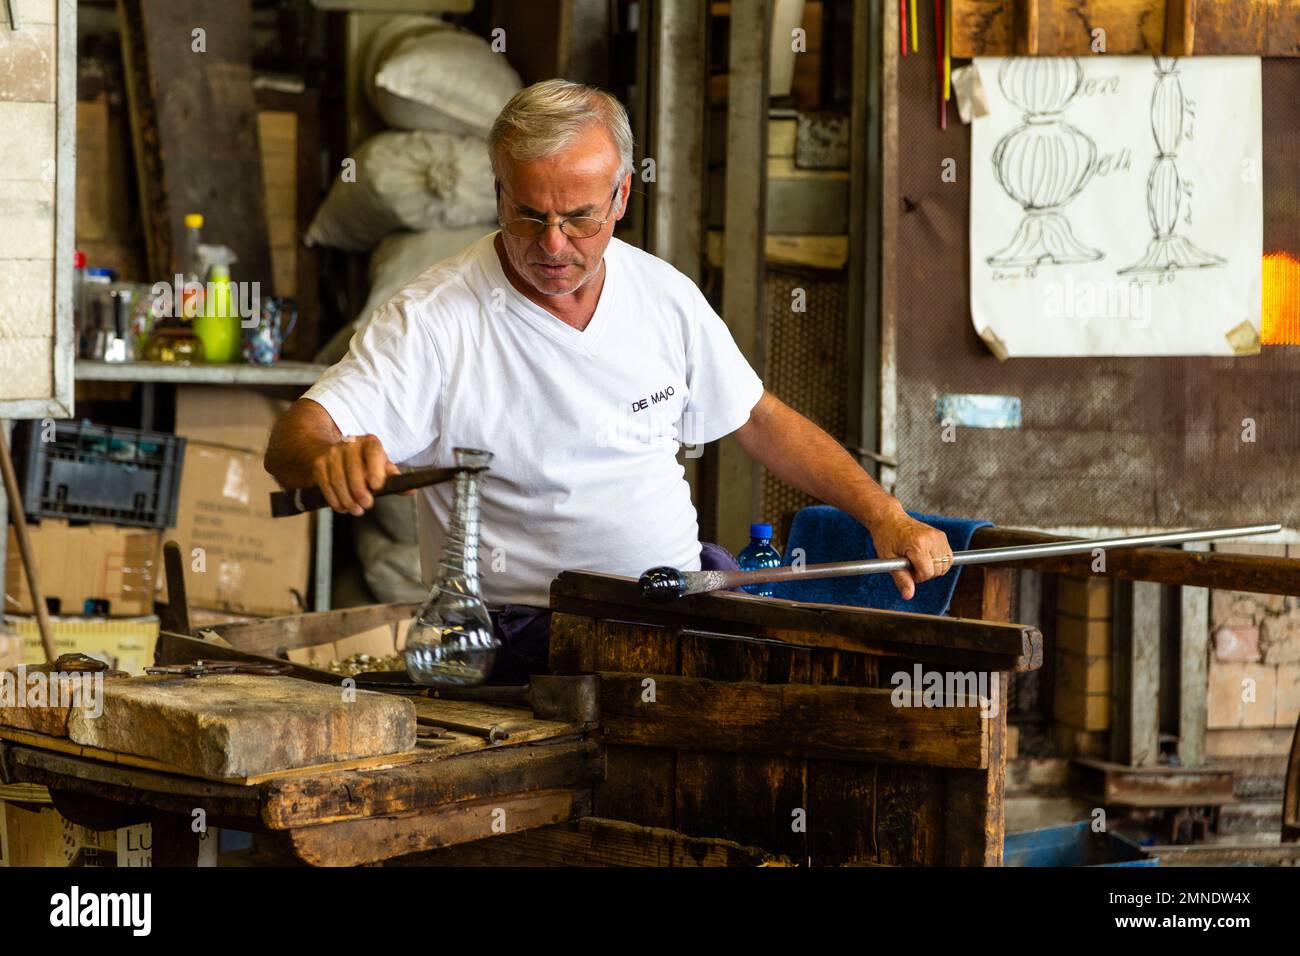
x=666, y=583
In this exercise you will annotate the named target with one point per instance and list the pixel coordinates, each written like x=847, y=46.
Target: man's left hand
x=898, y=535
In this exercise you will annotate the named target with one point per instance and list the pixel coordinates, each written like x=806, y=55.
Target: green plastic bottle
x=219, y=325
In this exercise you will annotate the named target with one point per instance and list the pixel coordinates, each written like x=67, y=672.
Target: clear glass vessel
x=451, y=639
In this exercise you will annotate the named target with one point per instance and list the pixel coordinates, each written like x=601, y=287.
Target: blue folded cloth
x=828, y=534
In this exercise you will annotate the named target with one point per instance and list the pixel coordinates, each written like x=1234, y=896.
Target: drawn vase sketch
x=1043, y=163
x=1171, y=121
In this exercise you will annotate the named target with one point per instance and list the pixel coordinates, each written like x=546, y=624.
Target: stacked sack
x=417, y=194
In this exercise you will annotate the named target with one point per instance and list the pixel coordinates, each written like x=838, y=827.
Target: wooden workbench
x=445, y=792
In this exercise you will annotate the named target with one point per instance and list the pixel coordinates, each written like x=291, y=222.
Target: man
x=580, y=362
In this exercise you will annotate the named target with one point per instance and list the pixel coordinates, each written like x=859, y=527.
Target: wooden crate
x=772, y=724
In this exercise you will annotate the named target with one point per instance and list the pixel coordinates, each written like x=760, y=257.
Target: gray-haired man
x=581, y=362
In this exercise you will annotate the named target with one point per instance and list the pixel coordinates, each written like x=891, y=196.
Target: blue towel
x=828, y=534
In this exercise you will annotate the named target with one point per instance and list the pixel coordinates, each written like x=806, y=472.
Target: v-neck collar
x=586, y=340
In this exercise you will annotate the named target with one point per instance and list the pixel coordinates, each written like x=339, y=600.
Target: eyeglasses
x=575, y=227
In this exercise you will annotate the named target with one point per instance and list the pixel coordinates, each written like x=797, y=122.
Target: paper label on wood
x=1117, y=205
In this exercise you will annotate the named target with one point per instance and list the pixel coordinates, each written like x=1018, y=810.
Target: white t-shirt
x=584, y=426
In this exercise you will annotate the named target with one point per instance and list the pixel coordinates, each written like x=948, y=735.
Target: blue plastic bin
x=1073, y=844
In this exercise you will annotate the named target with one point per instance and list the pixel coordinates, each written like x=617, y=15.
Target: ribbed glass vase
x=451, y=640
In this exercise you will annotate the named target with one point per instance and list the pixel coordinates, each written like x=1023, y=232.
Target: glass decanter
x=451, y=639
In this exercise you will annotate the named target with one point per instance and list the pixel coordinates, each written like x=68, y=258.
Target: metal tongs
x=203, y=668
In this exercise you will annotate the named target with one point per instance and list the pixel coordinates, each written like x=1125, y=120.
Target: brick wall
x=1254, y=674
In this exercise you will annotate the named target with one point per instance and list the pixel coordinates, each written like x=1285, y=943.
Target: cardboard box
x=382, y=641
x=1082, y=711
x=11, y=649
x=127, y=643
x=239, y=559
x=1087, y=598
x=1082, y=675
x=220, y=415
x=1088, y=638
x=43, y=837
x=80, y=562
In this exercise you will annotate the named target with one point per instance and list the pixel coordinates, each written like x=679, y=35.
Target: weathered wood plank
x=843, y=723
x=308, y=801
x=593, y=842
x=639, y=781
x=185, y=67
x=746, y=797
x=991, y=646
x=841, y=795
x=1202, y=569
x=1158, y=786
x=133, y=786
x=1132, y=27
x=354, y=842
x=975, y=805
x=274, y=636
x=1193, y=670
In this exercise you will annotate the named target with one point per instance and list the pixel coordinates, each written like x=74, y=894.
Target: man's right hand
x=349, y=470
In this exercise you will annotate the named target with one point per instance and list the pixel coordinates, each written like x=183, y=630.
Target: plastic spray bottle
x=219, y=324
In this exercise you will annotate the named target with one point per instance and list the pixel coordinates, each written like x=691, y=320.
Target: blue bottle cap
x=760, y=531
x=100, y=272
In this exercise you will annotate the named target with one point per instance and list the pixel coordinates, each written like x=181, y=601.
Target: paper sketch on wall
x=1044, y=162
x=1171, y=118
x=1100, y=223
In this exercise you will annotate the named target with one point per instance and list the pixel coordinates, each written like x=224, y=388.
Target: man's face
x=578, y=181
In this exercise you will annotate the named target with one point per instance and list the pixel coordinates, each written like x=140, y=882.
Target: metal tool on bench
x=204, y=668
x=666, y=583
x=573, y=699
x=285, y=504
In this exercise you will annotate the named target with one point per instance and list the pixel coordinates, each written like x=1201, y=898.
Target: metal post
x=1194, y=625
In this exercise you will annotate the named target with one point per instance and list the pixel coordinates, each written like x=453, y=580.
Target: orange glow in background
x=1280, y=317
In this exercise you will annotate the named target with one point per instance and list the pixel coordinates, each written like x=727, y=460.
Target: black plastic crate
x=98, y=473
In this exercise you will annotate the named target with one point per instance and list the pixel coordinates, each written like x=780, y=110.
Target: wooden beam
x=1117, y=785
x=970, y=644
x=1027, y=27
x=354, y=842
x=1132, y=27
x=1228, y=572
x=594, y=841
x=331, y=798
x=1180, y=27
x=677, y=122
x=836, y=723
x=1194, y=654
x=862, y=341
x=159, y=789
x=194, y=121
x=274, y=635
x=743, y=300
x=1135, y=668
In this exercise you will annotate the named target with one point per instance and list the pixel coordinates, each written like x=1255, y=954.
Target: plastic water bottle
x=759, y=553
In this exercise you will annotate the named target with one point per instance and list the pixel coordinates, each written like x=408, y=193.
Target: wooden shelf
x=286, y=373
x=1170, y=27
